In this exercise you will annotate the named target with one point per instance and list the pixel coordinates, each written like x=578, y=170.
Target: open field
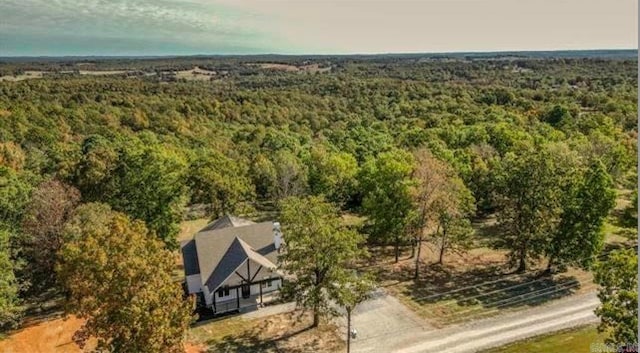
x=25, y=76
x=578, y=340
x=311, y=68
x=195, y=74
x=102, y=73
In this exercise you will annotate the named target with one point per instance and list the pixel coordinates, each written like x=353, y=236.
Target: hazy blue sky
x=159, y=27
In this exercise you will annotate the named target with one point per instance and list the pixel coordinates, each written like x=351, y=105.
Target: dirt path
x=406, y=335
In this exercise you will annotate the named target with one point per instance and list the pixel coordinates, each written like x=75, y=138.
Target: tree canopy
x=118, y=278
x=618, y=312
x=319, y=250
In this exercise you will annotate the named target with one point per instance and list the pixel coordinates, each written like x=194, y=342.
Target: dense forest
x=255, y=134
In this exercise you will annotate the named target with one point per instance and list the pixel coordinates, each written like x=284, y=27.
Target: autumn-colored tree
x=319, y=250
x=52, y=204
x=431, y=176
x=454, y=207
x=12, y=155
x=118, y=278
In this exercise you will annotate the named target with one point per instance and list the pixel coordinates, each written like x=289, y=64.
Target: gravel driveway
x=382, y=323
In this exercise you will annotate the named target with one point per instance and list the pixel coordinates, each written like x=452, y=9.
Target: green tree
x=264, y=176
x=529, y=190
x=617, y=277
x=586, y=200
x=119, y=279
x=387, y=188
x=98, y=161
x=332, y=174
x=14, y=196
x=291, y=175
x=139, y=177
x=557, y=116
x=93, y=217
x=220, y=182
x=10, y=303
x=318, y=251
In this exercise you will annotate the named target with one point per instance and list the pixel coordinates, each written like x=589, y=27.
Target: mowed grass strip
x=570, y=341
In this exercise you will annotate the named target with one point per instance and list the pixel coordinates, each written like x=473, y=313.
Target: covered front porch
x=247, y=297
x=253, y=302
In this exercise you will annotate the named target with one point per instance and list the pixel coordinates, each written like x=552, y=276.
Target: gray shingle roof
x=217, y=250
x=227, y=221
x=189, y=257
x=237, y=254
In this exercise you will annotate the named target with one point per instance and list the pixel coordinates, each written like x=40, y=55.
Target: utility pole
x=348, y=329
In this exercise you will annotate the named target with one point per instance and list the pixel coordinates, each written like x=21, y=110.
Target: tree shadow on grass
x=247, y=342
x=268, y=336
x=489, y=287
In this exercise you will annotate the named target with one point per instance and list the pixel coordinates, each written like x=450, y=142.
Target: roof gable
x=214, y=249
x=232, y=259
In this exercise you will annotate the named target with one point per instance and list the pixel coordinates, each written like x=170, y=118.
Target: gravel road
x=409, y=335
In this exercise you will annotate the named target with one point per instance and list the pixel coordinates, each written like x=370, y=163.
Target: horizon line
x=318, y=54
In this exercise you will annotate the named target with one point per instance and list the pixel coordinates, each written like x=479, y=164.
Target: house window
x=267, y=283
x=223, y=292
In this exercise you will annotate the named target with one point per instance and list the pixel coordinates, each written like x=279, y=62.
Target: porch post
x=214, y=303
x=260, y=286
x=237, y=298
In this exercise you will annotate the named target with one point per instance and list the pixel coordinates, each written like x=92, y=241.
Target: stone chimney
x=277, y=236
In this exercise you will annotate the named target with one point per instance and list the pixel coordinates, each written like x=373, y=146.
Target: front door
x=246, y=290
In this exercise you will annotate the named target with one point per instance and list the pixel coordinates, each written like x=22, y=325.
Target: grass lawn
x=479, y=283
x=473, y=285
x=571, y=341
x=189, y=228
x=470, y=285
x=283, y=333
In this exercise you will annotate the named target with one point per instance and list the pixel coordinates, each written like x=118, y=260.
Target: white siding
x=275, y=285
x=207, y=296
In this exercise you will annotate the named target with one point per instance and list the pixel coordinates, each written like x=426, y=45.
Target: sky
x=190, y=27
